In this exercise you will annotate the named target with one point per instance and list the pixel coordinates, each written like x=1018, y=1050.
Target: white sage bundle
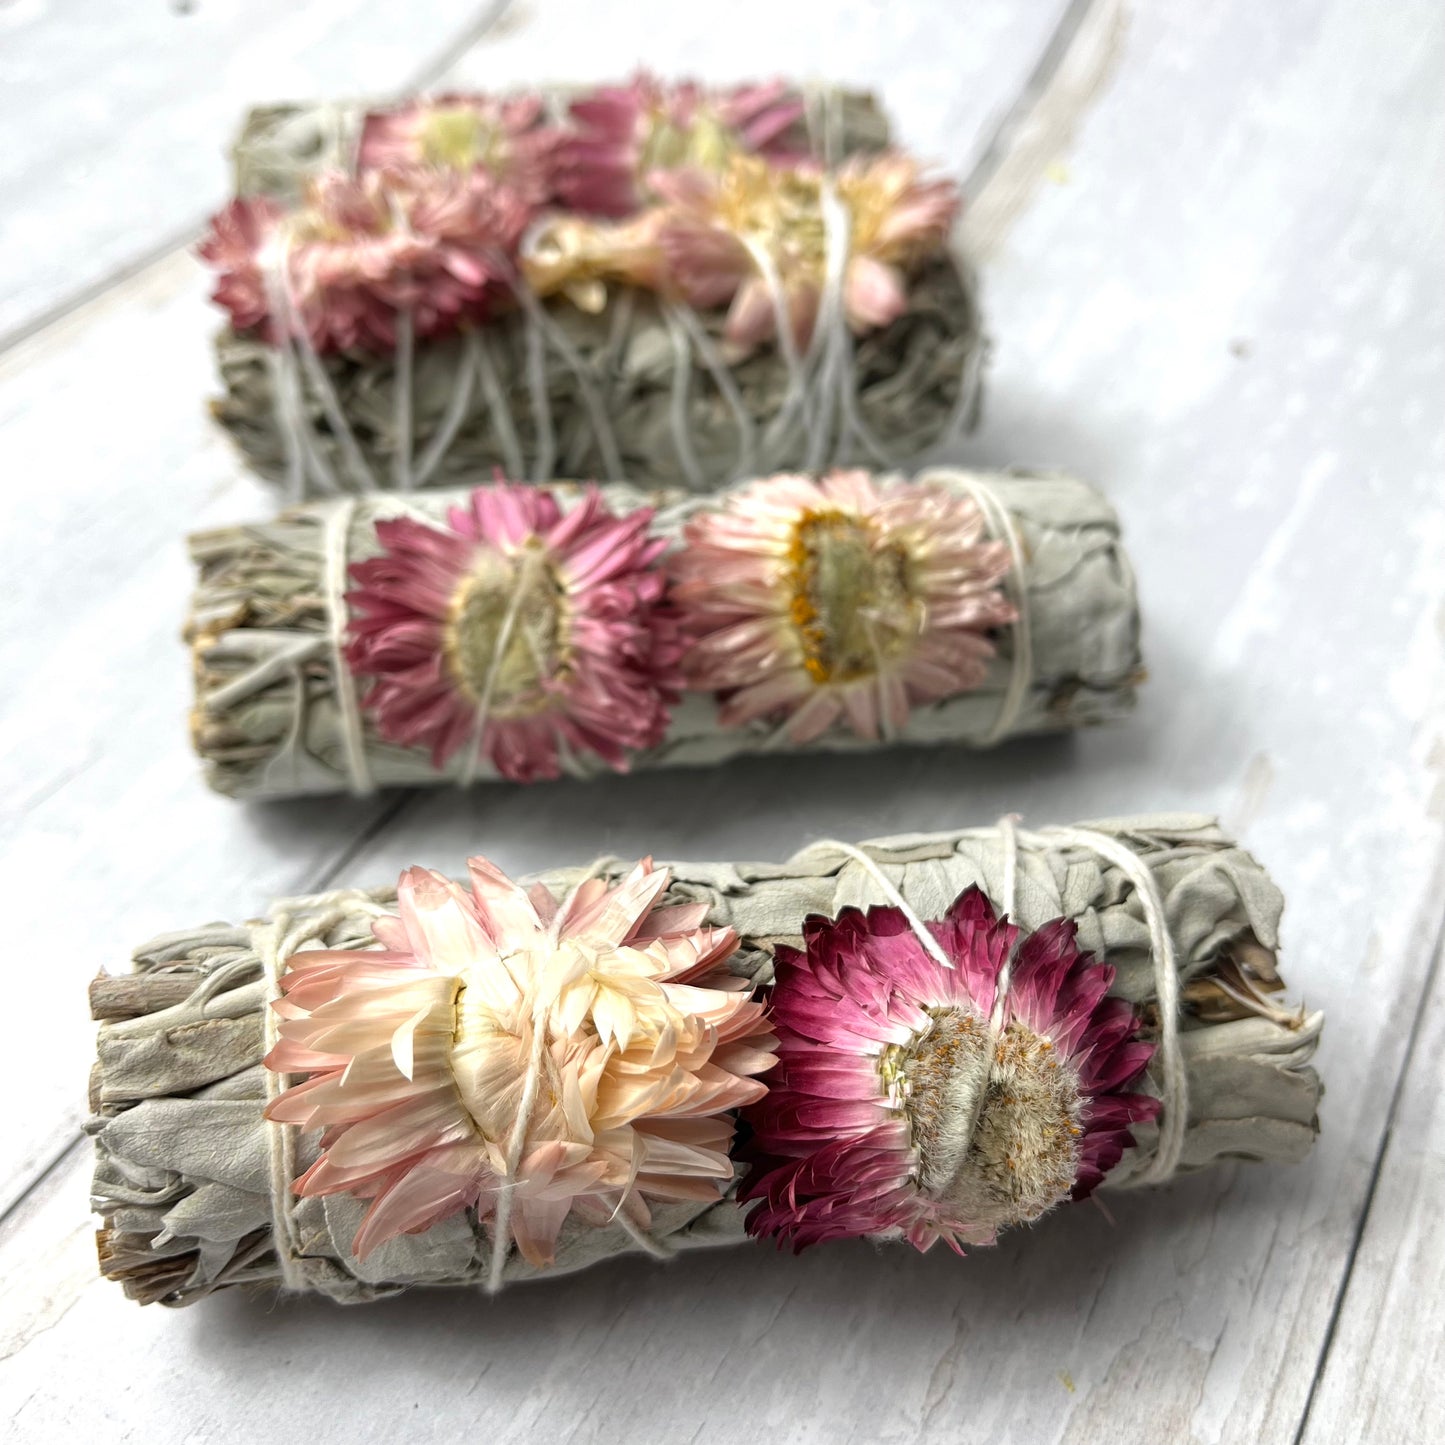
x=648, y=283
x=200, y=1190
x=793, y=613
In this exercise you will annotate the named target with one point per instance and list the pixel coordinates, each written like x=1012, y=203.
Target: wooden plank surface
x=1227, y=308
x=1384, y=1378
x=112, y=132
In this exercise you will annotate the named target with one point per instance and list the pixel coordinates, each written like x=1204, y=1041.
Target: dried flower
x=729, y=230
x=899, y=1109
x=838, y=598
x=608, y=1024
x=625, y=133
x=518, y=630
x=504, y=136
x=579, y=258
x=359, y=252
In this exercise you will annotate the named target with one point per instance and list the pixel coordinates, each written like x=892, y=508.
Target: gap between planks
x=138, y=271
x=1382, y=1151
x=435, y=69
x=390, y=810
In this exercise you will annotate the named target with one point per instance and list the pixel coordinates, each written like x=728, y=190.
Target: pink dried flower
x=838, y=598
x=897, y=1110
x=358, y=252
x=625, y=133
x=419, y=1050
x=727, y=230
x=517, y=629
x=504, y=136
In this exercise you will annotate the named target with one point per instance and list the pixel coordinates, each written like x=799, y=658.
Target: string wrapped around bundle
x=642, y=282
x=918, y=1039
x=521, y=633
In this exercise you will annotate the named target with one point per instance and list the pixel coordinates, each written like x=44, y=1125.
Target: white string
x=821, y=389
x=1169, y=1060
x=531, y=1085
x=723, y=378
x=522, y=572
x=596, y=412
x=775, y=434
x=677, y=409
x=970, y=377
x=280, y=1138
x=649, y=1244
x=1001, y=524
x=440, y=444
x=334, y=545
x=275, y=941
x=288, y=411
x=502, y=420
x=291, y=327
x=402, y=386
x=987, y=1061
x=831, y=333
x=1174, y=1076
x=301, y=457
x=890, y=891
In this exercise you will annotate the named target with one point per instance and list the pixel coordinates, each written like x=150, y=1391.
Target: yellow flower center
x=778, y=210
x=505, y=636
x=705, y=143
x=1022, y=1154
x=851, y=597
x=456, y=138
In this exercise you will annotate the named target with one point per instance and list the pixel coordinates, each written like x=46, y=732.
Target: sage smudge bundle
x=521, y=633
x=438, y=1083
x=643, y=282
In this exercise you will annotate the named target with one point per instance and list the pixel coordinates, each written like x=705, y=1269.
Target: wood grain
x=111, y=134
x=1383, y=1373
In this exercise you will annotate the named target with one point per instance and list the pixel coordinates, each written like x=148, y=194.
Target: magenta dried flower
x=517, y=629
x=504, y=136
x=906, y=1105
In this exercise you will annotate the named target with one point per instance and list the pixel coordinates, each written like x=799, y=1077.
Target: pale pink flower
x=626, y=133
x=883, y=1052
x=517, y=629
x=506, y=136
x=841, y=598
x=637, y=1040
x=726, y=230
x=358, y=252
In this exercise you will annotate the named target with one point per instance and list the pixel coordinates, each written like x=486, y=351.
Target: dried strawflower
x=506, y=136
x=578, y=258
x=576, y=1061
x=754, y=237
x=907, y=1104
x=359, y=252
x=517, y=630
x=841, y=597
x=625, y=133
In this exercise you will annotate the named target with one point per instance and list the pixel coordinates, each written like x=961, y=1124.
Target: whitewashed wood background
x=1226, y=306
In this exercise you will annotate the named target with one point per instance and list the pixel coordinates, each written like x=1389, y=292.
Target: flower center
x=456, y=138
x=505, y=638
x=851, y=601
x=703, y=141
x=997, y=1139
x=779, y=210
